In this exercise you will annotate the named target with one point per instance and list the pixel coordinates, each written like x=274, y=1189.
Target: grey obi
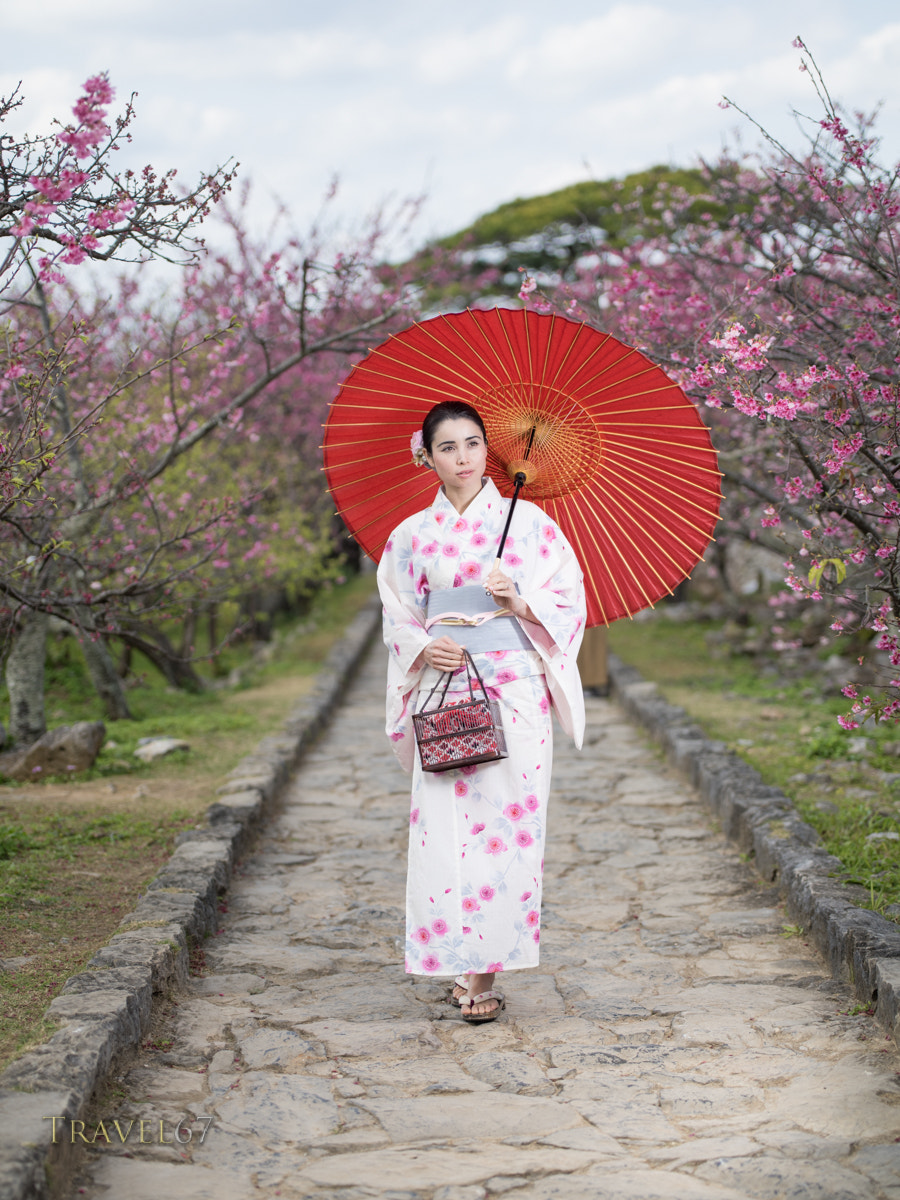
x=472, y=619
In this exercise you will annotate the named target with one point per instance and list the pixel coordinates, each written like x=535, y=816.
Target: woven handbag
x=457, y=734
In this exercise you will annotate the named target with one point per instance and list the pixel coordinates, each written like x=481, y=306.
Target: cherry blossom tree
x=780, y=316
x=150, y=444
x=62, y=204
x=232, y=430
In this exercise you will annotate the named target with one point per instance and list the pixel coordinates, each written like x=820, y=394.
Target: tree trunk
x=188, y=632
x=105, y=678
x=124, y=666
x=25, y=680
x=212, y=631
x=154, y=644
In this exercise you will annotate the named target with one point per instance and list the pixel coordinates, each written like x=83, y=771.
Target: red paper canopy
x=622, y=461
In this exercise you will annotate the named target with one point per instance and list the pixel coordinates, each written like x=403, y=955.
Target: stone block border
x=105, y=1010
x=860, y=947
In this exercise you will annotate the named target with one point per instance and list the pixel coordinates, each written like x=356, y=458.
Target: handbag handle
x=446, y=677
x=470, y=661
x=438, y=681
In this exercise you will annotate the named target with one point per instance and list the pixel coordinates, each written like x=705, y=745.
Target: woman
x=477, y=833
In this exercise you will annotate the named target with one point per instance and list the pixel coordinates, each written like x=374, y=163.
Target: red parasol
x=618, y=457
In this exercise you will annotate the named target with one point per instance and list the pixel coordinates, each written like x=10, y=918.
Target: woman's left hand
x=504, y=592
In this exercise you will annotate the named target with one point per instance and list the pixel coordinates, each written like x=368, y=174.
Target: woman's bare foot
x=459, y=990
x=477, y=985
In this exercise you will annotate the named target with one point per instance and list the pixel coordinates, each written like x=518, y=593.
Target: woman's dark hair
x=448, y=410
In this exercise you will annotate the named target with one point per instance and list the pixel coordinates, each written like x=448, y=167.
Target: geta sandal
x=481, y=998
x=461, y=981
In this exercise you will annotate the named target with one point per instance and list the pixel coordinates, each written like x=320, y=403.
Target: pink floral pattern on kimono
x=477, y=841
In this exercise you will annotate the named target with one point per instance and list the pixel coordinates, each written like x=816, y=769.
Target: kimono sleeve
x=405, y=638
x=554, y=591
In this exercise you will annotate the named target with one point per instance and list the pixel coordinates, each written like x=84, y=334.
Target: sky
x=469, y=104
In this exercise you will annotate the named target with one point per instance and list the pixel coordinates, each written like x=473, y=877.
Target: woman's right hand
x=443, y=654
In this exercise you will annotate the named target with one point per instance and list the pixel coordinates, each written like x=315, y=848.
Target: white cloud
x=48, y=94
x=625, y=42
x=449, y=56
x=480, y=101
x=42, y=16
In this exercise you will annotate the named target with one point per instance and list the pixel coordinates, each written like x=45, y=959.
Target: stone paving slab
x=673, y=1045
x=861, y=947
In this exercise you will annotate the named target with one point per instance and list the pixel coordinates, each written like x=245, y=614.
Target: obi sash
x=466, y=615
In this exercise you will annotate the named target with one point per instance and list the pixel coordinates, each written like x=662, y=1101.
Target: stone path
x=674, y=1043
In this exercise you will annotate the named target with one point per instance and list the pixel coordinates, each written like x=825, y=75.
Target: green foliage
x=617, y=207
x=13, y=840
x=873, y=864
x=838, y=565
x=547, y=236
x=828, y=742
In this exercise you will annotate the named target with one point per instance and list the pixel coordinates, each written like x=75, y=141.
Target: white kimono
x=476, y=842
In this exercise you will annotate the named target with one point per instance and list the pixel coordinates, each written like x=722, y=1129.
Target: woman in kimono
x=473, y=899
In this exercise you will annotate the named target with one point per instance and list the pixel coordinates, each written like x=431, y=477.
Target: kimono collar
x=489, y=496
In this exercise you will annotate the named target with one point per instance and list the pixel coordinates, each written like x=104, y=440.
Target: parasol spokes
x=521, y=471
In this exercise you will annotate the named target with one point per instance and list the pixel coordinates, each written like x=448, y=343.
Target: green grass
x=787, y=730
x=66, y=881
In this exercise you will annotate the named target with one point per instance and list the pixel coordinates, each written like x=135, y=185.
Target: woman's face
x=459, y=454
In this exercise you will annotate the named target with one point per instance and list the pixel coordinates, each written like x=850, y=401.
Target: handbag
x=459, y=734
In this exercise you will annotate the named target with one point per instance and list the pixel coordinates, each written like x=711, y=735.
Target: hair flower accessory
x=417, y=446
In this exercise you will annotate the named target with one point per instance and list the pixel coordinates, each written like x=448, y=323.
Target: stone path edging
x=860, y=947
x=105, y=1009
